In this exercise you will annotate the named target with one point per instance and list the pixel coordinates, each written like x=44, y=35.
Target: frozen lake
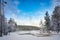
x=16, y=36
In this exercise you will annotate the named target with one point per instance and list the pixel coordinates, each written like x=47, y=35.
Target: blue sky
x=28, y=12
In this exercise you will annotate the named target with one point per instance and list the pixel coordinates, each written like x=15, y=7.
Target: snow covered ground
x=16, y=36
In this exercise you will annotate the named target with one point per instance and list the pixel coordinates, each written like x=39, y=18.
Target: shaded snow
x=16, y=36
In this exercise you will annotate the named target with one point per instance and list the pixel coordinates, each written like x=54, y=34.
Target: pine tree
x=12, y=24
x=47, y=21
x=56, y=18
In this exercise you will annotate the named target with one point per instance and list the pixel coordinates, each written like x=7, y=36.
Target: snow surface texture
x=16, y=36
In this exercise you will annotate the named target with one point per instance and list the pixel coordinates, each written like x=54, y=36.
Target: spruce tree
x=56, y=19
x=47, y=21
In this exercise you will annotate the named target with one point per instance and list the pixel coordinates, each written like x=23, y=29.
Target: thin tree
x=47, y=21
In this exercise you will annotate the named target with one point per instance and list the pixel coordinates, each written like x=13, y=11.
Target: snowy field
x=16, y=36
